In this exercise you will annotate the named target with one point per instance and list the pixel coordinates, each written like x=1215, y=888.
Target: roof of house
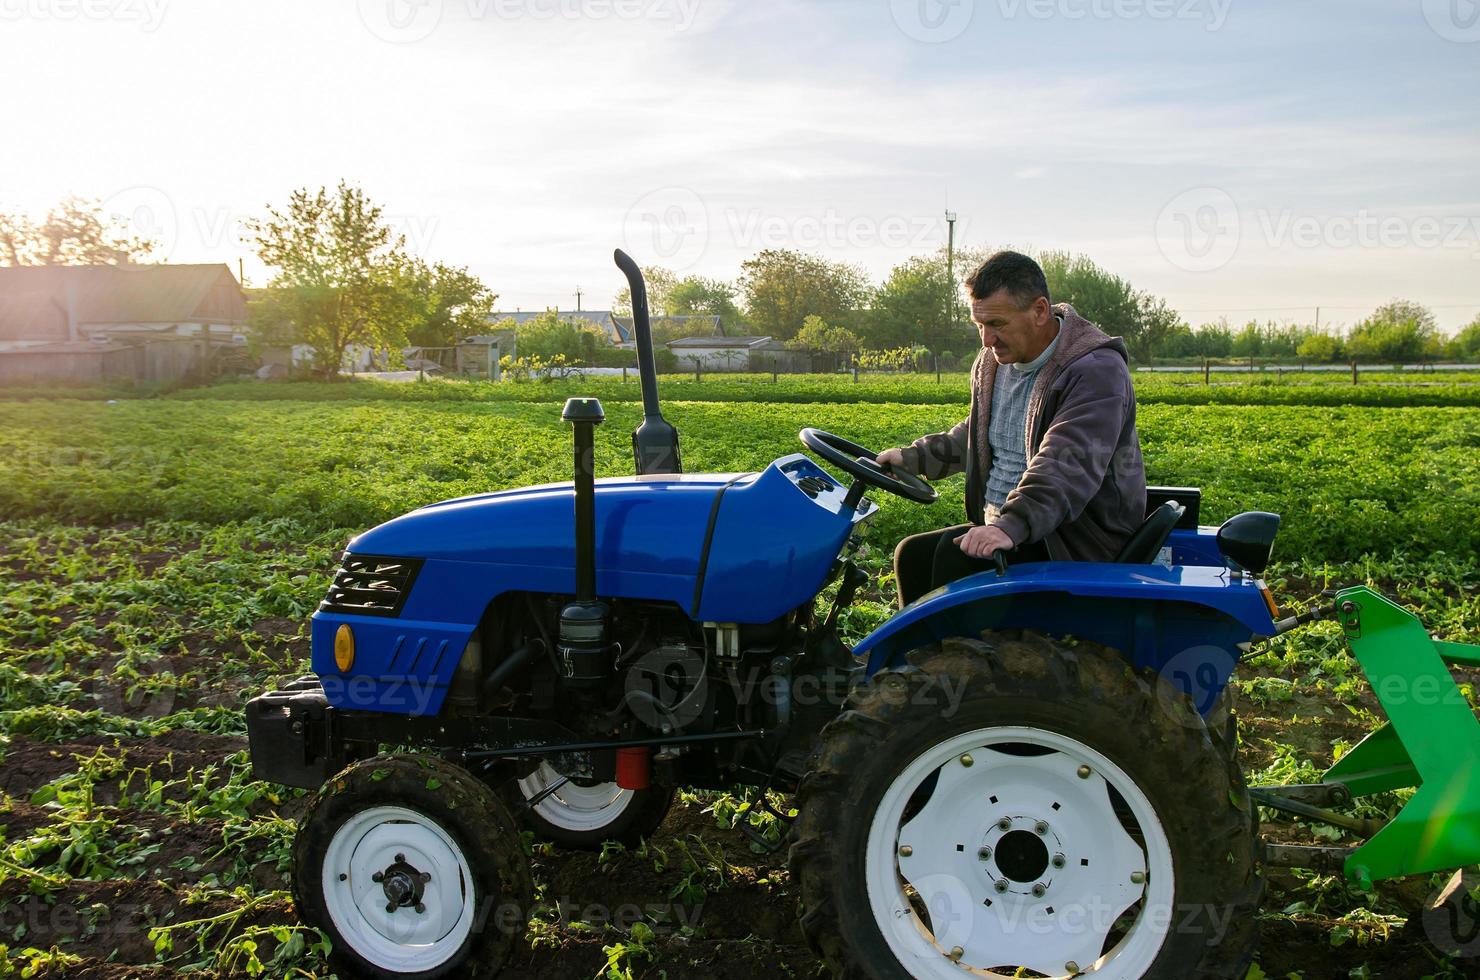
x=744, y=343
x=34, y=299
x=672, y=324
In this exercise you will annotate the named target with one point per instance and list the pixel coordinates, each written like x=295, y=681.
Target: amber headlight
x=344, y=648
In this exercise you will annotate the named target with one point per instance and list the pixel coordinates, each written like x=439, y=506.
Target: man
x=1052, y=460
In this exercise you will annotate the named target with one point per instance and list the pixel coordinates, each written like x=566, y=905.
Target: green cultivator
x=1431, y=742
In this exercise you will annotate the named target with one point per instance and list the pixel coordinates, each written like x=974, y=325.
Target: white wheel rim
x=572, y=806
x=393, y=838
x=977, y=930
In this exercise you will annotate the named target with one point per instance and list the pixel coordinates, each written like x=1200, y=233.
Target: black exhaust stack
x=655, y=442
x=582, y=645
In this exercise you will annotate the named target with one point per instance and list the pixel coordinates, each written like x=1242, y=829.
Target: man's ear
x=1042, y=311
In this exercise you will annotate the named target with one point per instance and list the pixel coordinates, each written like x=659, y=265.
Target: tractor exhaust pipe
x=655, y=441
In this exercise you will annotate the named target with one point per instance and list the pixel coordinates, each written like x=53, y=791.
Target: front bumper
x=289, y=736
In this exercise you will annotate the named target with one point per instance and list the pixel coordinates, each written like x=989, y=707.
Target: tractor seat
x=1147, y=542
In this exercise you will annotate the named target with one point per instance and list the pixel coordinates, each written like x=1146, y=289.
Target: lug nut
x=1084, y=772
x=344, y=877
x=967, y=760
x=957, y=952
x=1041, y=827
x=1058, y=860
x=1001, y=885
x=906, y=850
x=426, y=876
x=390, y=906
x=378, y=877
x=400, y=859
x=1071, y=967
x=1039, y=889
x=1004, y=824
x=420, y=908
x=983, y=852
x=1138, y=877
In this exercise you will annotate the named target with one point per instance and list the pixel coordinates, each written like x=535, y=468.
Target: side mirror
x=1246, y=540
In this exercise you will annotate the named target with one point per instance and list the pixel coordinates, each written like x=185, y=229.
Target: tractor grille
x=371, y=586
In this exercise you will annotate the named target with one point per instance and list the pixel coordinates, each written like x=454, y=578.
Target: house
x=116, y=322
x=720, y=353
x=672, y=327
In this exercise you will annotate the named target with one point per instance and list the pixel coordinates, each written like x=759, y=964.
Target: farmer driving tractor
x=1052, y=460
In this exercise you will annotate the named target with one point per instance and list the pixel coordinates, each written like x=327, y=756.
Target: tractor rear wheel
x=1022, y=804
x=413, y=868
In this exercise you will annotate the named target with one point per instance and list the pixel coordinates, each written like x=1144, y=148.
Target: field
x=159, y=558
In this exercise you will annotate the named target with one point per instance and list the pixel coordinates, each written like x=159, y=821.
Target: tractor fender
x=1189, y=623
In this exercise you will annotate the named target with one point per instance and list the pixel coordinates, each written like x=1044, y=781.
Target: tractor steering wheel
x=862, y=464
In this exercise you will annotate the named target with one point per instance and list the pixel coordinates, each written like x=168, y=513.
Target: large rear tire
x=1018, y=803
x=414, y=869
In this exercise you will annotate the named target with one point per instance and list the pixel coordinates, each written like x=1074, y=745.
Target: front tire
x=414, y=870
x=1021, y=804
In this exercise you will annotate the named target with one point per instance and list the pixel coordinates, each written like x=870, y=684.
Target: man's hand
x=891, y=459
x=984, y=541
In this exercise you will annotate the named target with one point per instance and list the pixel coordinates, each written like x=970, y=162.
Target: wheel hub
x=404, y=885
x=1021, y=856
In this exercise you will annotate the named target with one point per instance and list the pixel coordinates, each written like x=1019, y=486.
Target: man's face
x=1015, y=335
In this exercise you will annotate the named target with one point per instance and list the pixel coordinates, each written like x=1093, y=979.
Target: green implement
x=1431, y=741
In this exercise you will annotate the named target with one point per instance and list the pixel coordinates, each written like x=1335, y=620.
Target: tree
x=460, y=306
x=918, y=304
x=781, y=287
x=1319, y=347
x=1155, y=323
x=1397, y=331
x=75, y=232
x=697, y=296
x=1466, y=343
x=342, y=277
x=1097, y=295
x=817, y=335
x=658, y=282
x=547, y=336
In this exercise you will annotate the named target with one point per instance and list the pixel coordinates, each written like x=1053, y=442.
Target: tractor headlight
x=344, y=648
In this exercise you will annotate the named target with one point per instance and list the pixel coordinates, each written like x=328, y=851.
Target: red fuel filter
x=634, y=767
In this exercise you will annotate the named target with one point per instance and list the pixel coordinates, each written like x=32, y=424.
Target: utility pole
x=950, y=274
x=578, y=298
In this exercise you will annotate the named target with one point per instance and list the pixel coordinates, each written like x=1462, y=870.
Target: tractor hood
x=725, y=547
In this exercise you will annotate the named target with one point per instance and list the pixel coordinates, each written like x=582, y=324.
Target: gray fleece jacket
x=1084, y=490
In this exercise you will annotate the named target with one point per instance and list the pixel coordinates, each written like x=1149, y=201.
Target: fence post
x=1206, y=371
x=696, y=368
x=855, y=370
x=1354, y=372
x=937, y=368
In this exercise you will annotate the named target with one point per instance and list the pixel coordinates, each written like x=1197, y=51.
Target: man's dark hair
x=1013, y=271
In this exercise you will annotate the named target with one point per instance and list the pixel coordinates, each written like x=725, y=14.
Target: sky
x=1246, y=158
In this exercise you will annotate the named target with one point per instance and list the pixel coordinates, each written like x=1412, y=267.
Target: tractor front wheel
x=413, y=868
x=1018, y=804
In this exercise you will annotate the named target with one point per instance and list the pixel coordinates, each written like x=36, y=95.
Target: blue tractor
x=1028, y=772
